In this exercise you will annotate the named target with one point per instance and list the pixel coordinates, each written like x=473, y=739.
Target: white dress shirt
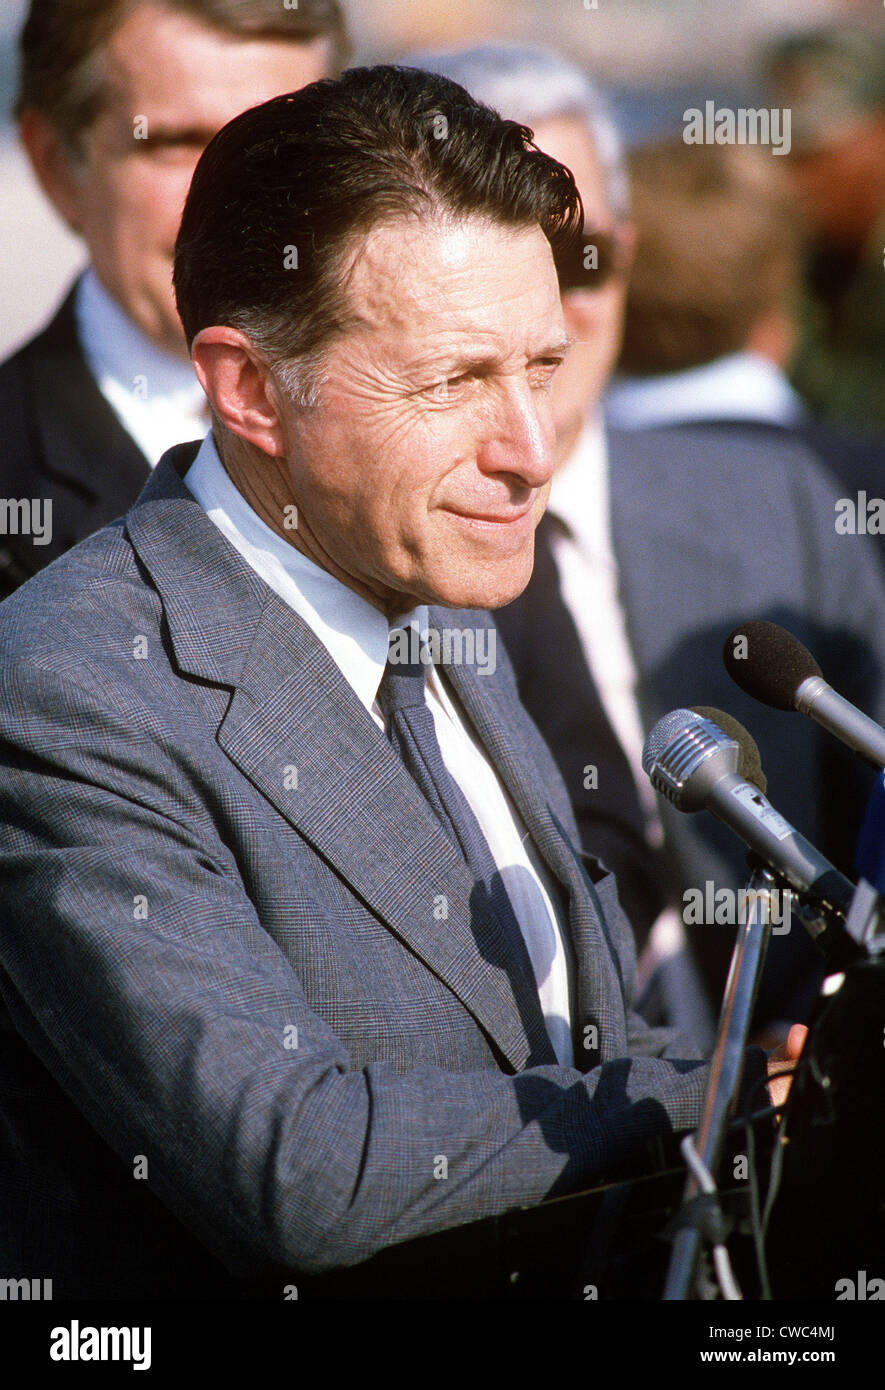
x=356, y=635
x=588, y=577
x=739, y=386
x=155, y=396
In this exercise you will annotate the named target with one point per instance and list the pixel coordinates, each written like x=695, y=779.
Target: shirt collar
x=352, y=630
x=117, y=350
x=739, y=386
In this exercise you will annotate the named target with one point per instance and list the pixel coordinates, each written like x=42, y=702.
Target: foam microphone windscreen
x=768, y=663
x=750, y=764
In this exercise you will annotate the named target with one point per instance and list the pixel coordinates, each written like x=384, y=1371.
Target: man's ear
x=237, y=381
x=53, y=166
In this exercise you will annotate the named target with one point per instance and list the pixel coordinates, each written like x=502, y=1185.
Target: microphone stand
x=726, y=1068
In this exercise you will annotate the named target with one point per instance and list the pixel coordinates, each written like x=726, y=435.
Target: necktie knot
x=402, y=685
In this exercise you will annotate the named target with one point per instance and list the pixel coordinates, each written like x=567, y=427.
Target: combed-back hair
x=531, y=84
x=282, y=193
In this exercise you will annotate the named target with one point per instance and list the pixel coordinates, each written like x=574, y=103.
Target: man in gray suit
x=300, y=956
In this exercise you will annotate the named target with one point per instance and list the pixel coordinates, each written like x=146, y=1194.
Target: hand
x=788, y=1051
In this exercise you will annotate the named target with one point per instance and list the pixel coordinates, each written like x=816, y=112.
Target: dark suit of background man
x=656, y=543
x=116, y=101
x=300, y=954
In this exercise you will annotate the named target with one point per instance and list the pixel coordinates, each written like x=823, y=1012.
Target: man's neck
x=267, y=489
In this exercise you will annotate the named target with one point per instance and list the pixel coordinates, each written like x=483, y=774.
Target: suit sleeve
x=136, y=968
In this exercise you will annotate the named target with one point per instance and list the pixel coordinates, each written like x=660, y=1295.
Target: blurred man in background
x=655, y=545
x=117, y=99
x=833, y=80
x=712, y=313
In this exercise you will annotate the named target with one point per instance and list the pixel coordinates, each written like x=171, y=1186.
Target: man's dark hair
x=281, y=192
x=63, y=42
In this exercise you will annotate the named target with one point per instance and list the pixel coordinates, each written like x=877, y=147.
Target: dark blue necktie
x=411, y=730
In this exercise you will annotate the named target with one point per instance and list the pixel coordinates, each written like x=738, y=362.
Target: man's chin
x=488, y=586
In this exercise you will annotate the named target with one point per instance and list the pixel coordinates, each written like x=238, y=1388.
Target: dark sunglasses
x=591, y=260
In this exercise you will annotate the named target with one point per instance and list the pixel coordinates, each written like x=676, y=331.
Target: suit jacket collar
x=292, y=709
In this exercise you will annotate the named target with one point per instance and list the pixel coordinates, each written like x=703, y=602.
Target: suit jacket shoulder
x=710, y=524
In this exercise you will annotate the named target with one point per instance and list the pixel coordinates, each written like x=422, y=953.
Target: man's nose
x=519, y=438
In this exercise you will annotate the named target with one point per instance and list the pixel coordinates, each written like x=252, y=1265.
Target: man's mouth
x=511, y=516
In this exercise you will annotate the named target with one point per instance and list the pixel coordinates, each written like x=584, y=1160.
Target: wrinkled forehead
x=427, y=279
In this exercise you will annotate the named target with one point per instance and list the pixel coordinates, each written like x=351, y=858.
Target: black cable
x=759, y=1221
x=756, y=1216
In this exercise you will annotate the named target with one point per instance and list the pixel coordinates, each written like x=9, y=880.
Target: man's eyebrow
x=559, y=348
x=454, y=362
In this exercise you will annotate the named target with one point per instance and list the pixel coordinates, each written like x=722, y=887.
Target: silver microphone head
x=685, y=755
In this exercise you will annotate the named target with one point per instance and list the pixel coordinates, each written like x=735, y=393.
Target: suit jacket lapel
x=75, y=424
x=295, y=728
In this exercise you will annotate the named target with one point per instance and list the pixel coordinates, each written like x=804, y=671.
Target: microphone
x=774, y=667
x=749, y=759
x=693, y=763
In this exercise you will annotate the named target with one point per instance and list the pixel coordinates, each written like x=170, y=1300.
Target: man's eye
x=541, y=374
x=448, y=387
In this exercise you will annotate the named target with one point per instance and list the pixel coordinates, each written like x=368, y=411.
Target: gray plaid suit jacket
x=239, y=1030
